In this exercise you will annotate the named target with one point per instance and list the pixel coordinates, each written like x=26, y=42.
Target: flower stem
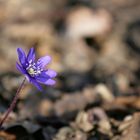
x=12, y=105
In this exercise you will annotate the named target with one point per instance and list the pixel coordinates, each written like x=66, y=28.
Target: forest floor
x=95, y=46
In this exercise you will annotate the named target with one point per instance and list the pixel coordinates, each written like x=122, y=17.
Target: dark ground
x=95, y=46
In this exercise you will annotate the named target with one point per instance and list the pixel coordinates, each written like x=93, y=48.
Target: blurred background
x=95, y=47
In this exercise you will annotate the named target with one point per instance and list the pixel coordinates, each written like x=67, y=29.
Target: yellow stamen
x=31, y=71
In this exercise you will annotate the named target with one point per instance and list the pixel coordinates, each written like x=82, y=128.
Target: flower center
x=33, y=69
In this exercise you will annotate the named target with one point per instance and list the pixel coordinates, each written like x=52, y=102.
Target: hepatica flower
x=35, y=71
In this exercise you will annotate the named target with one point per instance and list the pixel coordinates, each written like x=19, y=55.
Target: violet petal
x=19, y=67
x=21, y=56
x=36, y=84
x=43, y=61
x=50, y=73
x=42, y=78
x=50, y=82
x=31, y=55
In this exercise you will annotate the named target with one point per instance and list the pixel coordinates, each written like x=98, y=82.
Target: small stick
x=12, y=105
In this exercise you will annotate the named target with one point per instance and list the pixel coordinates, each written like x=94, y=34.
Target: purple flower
x=35, y=71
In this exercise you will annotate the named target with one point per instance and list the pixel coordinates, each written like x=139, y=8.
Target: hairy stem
x=12, y=105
